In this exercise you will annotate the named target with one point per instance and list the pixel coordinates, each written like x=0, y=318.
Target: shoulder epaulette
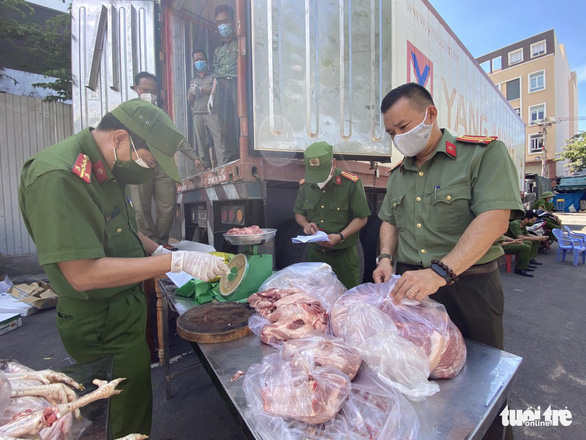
x=477, y=139
x=301, y=182
x=83, y=168
x=396, y=166
x=353, y=177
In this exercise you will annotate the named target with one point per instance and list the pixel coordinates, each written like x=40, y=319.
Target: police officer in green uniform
x=225, y=63
x=332, y=200
x=545, y=203
x=518, y=230
x=516, y=246
x=74, y=200
x=445, y=208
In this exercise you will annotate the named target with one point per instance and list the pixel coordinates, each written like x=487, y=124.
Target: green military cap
x=318, y=162
x=547, y=194
x=156, y=128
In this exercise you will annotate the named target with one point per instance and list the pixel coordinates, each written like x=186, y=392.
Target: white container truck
x=307, y=70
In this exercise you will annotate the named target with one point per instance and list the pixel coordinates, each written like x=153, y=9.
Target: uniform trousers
x=344, y=263
x=115, y=327
x=163, y=190
x=523, y=252
x=227, y=102
x=211, y=121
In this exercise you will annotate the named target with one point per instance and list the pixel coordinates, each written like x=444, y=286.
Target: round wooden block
x=215, y=322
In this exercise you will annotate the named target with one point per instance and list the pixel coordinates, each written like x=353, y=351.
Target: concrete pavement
x=545, y=318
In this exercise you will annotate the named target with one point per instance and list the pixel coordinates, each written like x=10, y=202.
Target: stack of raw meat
x=250, y=230
x=291, y=314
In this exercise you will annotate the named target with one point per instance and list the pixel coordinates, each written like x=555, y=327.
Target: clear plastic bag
x=371, y=411
x=318, y=280
x=295, y=303
x=295, y=390
x=325, y=351
x=5, y=392
x=425, y=324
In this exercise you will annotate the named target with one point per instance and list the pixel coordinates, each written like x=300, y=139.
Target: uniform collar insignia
x=82, y=168
x=338, y=180
x=100, y=171
x=451, y=149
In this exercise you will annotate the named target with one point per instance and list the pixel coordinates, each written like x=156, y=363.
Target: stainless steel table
x=464, y=407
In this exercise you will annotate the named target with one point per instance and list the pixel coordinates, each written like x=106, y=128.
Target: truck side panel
x=111, y=42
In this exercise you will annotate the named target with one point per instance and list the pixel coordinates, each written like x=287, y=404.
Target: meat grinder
x=248, y=270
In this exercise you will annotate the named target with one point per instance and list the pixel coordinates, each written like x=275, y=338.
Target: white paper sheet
x=179, y=278
x=318, y=236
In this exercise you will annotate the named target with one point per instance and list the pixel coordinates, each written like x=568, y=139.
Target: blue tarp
x=570, y=198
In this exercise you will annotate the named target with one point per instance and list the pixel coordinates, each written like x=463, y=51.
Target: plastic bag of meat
x=325, y=350
x=426, y=324
x=295, y=390
x=293, y=315
x=371, y=411
x=316, y=279
x=398, y=362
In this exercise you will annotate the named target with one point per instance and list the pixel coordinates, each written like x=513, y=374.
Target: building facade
x=535, y=77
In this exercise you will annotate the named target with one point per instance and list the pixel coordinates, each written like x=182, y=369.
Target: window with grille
x=535, y=143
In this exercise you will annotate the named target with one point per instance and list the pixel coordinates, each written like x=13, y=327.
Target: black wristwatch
x=442, y=273
x=341, y=236
x=381, y=256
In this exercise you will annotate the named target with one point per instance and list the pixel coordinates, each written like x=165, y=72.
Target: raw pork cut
x=311, y=395
x=324, y=351
x=250, y=230
x=295, y=316
x=264, y=302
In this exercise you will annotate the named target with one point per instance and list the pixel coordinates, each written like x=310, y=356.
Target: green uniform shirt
x=543, y=204
x=516, y=229
x=200, y=103
x=433, y=205
x=69, y=219
x=333, y=207
x=225, y=59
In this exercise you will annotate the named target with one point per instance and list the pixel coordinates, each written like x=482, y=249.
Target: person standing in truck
x=74, y=200
x=333, y=201
x=160, y=188
x=202, y=87
x=225, y=100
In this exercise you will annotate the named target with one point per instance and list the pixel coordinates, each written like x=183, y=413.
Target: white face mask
x=149, y=98
x=140, y=160
x=324, y=183
x=415, y=140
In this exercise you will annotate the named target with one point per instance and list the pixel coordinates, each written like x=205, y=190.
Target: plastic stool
x=509, y=263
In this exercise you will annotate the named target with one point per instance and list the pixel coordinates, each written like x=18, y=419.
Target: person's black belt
x=476, y=270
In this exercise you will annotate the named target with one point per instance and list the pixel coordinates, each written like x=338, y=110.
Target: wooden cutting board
x=215, y=322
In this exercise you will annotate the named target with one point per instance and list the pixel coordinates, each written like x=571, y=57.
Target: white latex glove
x=200, y=265
x=160, y=251
x=210, y=104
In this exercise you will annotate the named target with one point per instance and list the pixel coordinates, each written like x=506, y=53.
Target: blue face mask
x=225, y=30
x=201, y=65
